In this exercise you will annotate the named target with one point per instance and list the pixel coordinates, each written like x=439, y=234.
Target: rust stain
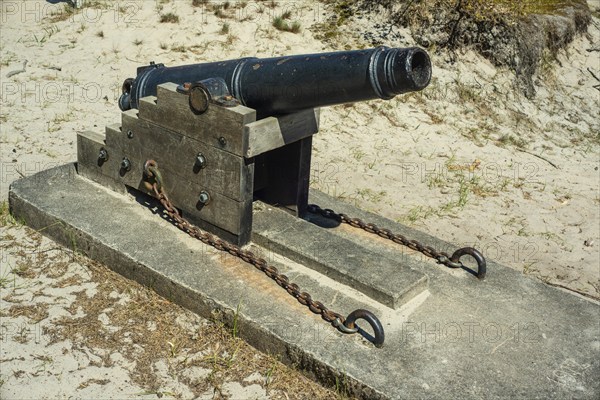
x=370, y=237
x=252, y=277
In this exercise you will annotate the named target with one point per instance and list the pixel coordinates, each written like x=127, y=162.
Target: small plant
x=62, y=15
x=199, y=3
x=286, y=15
x=230, y=39
x=23, y=270
x=270, y=372
x=508, y=139
x=100, y=34
x=138, y=42
x=6, y=281
x=219, y=13
x=169, y=18
x=180, y=48
x=281, y=24
x=225, y=29
x=235, y=330
x=6, y=219
x=163, y=46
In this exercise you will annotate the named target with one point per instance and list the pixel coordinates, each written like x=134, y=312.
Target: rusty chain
x=345, y=325
x=452, y=261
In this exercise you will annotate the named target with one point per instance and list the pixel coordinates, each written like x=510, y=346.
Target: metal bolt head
x=204, y=197
x=103, y=154
x=222, y=141
x=130, y=134
x=200, y=160
x=126, y=164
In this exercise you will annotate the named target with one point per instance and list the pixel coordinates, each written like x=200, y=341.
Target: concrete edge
x=250, y=331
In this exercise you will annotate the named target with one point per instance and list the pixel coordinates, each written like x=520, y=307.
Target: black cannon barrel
x=281, y=85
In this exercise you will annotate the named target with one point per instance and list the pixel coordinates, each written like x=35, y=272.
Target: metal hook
x=372, y=320
x=481, y=264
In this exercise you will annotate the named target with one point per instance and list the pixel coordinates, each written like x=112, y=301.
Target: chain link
x=261, y=264
x=440, y=256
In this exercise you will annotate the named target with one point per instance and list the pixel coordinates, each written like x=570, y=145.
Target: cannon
x=231, y=132
x=282, y=85
x=223, y=143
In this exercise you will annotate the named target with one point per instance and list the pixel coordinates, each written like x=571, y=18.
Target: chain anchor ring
x=368, y=316
x=345, y=325
x=441, y=257
x=476, y=254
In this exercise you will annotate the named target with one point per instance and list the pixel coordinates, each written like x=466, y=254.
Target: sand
x=469, y=160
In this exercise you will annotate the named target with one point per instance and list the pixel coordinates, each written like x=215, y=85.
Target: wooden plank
x=284, y=175
x=229, y=215
x=171, y=110
x=89, y=144
x=113, y=135
x=225, y=173
x=88, y=164
x=273, y=132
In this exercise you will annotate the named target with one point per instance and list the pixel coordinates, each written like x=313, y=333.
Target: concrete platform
x=385, y=278
x=505, y=337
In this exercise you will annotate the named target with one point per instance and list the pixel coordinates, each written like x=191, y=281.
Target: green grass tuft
x=281, y=24
x=169, y=18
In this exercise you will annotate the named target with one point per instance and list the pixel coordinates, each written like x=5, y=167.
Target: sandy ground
x=469, y=160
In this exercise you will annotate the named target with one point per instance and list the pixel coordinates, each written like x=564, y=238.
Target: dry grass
x=6, y=219
x=182, y=345
x=513, y=34
x=169, y=18
x=199, y=3
x=35, y=312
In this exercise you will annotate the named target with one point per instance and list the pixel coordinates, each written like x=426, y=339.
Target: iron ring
x=476, y=254
x=372, y=320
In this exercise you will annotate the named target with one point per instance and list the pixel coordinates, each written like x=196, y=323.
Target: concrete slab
x=508, y=336
x=384, y=278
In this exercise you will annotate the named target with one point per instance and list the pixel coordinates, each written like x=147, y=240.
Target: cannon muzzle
x=281, y=85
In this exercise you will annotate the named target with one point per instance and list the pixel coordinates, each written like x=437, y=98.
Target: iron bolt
x=130, y=134
x=200, y=160
x=126, y=164
x=222, y=141
x=103, y=154
x=204, y=197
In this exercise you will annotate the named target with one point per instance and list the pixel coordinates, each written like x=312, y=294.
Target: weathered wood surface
x=225, y=173
x=166, y=130
x=221, y=212
x=244, y=136
x=171, y=110
x=89, y=144
x=274, y=132
x=283, y=176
